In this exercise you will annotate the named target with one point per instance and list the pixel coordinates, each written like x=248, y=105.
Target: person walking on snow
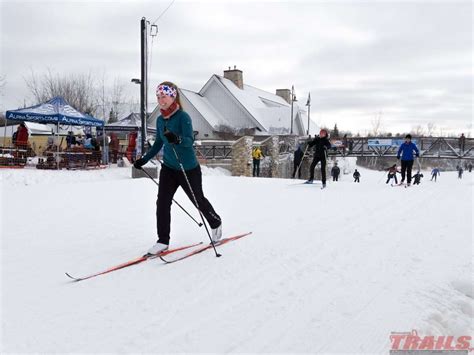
x=405, y=153
x=434, y=174
x=174, y=132
x=256, y=156
x=356, y=176
x=321, y=145
x=392, y=173
x=460, y=171
x=298, y=157
x=335, y=171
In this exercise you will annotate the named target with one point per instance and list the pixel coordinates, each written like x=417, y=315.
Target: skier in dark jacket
x=417, y=178
x=356, y=176
x=392, y=173
x=321, y=145
x=335, y=171
x=405, y=152
x=298, y=157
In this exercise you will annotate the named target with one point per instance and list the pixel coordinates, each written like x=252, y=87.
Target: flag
x=308, y=103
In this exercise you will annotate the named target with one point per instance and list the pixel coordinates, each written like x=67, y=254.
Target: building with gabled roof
x=226, y=106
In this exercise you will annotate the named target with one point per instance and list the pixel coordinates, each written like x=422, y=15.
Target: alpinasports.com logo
x=412, y=343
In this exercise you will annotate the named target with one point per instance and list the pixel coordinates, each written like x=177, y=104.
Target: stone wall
x=242, y=157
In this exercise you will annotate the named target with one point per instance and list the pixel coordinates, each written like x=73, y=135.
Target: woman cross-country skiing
x=405, y=152
x=174, y=132
x=321, y=145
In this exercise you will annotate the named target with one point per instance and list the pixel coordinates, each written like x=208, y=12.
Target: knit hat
x=408, y=136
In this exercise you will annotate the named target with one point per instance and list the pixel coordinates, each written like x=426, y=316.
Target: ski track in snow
x=325, y=271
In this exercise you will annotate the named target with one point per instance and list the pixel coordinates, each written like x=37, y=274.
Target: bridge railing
x=430, y=147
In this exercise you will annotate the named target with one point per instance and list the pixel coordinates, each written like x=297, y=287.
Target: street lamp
x=308, y=103
x=293, y=99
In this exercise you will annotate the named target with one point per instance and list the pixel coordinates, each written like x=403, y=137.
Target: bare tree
x=418, y=131
x=431, y=127
x=377, y=124
x=117, y=96
x=77, y=89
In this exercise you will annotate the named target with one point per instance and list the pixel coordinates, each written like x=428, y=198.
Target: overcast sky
x=409, y=62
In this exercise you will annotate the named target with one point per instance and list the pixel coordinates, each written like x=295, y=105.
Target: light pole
x=308, y=103
x=293, y=99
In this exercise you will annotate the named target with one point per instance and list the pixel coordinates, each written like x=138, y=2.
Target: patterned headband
x=166, y=90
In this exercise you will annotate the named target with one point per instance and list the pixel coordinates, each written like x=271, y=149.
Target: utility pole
x=143, y=81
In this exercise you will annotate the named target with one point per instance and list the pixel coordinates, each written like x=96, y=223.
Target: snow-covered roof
x=204, y=107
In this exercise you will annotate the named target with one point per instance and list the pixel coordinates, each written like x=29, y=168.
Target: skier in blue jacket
x=405, y=153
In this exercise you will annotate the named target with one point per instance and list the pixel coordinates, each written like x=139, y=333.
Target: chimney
x=285, y=94
x=235, y=75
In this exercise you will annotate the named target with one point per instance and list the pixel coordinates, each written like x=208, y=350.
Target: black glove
x=172, y=138
x=139, y=163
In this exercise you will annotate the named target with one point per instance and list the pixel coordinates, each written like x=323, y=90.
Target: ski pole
x=199, y=224
x=418, y=162
x=195, y=199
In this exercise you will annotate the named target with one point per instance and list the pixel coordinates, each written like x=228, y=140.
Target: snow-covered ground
x=325, y=271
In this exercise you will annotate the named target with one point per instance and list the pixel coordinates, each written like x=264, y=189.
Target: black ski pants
x=316, y=160
x=170, y=180
x=406, y=170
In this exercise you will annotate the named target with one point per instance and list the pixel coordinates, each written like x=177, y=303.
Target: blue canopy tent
x=57, y=111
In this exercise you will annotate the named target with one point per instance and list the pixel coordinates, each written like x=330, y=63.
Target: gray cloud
x=411, y=60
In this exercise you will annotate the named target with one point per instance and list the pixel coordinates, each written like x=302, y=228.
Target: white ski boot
x=216, y=233
x=157, y=248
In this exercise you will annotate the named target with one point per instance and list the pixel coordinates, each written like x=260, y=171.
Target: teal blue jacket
x=181, y=125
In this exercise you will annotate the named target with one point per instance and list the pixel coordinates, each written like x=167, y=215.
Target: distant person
x=114, y=147
x=21, y=140
x=462, y=142
x=351, y=144
x=417, y=178
x=392, y=173
x=321, y=144
x=70, y=140
x=132, y=145
x=88, y=142
x=335, y=171
x=460, y=172
x=469, y=167
x=344, y=144
x=356, y=176
x=434, y=174
x=257, y=155
x=297, y=159
x=405, y=153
